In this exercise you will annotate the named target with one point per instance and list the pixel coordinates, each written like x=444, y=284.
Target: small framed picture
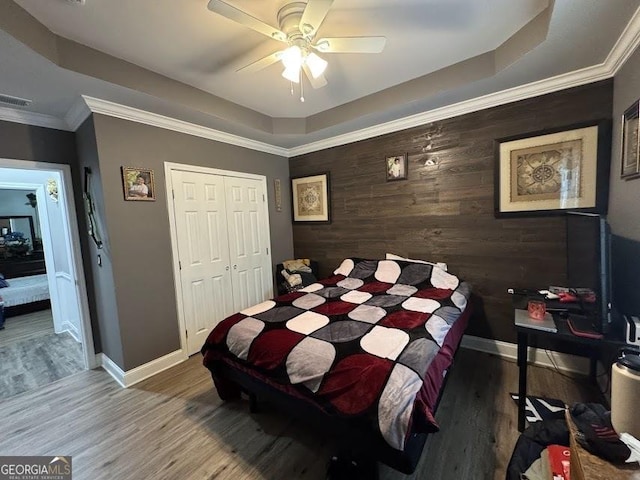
x=630, y=143
x=396, y=167
x=138, y=184
x=311, y=198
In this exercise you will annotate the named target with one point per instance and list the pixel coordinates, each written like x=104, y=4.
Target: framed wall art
x=552, y=171
x=311, y=199
x=396, y=167
x=138, y=184
x=630, y=143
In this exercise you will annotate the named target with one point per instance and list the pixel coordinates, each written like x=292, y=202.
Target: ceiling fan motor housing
x=289, y=21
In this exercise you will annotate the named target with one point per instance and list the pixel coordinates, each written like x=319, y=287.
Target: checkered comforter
x=359, y=344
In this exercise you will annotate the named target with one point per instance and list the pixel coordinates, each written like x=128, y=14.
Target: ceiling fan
x=298, y=24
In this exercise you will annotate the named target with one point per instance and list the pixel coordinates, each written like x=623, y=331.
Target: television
x=589, y=264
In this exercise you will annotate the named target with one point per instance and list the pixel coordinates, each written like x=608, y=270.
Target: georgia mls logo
x=60, y=465
x=35, y=468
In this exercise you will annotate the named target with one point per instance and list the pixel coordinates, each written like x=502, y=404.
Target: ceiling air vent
x=15, y=101
x=77, y=2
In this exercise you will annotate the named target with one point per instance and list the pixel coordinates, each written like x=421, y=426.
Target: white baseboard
x=73, y=331
x=536, y=356
x=135, y=375
x=111, y=368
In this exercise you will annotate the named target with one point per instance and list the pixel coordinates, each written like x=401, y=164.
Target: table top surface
x=564, y=332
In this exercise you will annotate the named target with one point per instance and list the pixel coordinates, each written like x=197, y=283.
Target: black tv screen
x=588, y=264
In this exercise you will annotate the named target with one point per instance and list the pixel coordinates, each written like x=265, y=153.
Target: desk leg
x=593, y=366
x=522, y=378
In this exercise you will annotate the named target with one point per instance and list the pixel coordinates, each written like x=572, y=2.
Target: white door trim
x=73, y=244
x=168, y=168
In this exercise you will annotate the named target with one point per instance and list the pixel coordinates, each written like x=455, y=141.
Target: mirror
x=17, y=236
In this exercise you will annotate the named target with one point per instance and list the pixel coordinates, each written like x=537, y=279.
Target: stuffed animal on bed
x=297, y=274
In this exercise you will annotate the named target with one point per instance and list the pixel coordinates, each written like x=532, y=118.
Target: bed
x=23, y=290
x=363, y=354
x=23, y=295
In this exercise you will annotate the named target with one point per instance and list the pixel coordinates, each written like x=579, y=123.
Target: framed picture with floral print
x=311, y=199
x=553, y=171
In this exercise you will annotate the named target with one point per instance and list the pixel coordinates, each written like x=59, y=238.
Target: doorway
x=51, y=251
x=221, y=246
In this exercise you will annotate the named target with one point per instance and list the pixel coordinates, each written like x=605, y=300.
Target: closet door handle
x=227, y=268
x=235, y=267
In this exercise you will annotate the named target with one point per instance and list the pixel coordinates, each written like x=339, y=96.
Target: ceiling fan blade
x=262, y=63
x=351, y=44
x=316, y=83
x=232, y=13
x=313, y=16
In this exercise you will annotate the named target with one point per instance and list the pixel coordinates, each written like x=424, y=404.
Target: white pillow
x=441, y=265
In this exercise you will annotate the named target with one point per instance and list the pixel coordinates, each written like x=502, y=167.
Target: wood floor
x=173, y=425
x=26, y=327
x=32, y=355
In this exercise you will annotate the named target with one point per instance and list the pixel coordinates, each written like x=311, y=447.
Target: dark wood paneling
x=445, y=212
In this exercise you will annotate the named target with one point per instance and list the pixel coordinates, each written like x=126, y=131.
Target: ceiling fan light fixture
x=316, y=65
x=292, y=58
x=292, y=74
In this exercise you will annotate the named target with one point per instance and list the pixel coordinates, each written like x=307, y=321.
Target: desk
x=586, y=347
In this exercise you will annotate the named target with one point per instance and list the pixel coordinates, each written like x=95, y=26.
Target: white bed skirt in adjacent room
x=25, y=290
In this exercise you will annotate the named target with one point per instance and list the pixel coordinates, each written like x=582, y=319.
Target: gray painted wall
x=24, y=142
x=139, y=241
x=100, y=284
x=624, y=196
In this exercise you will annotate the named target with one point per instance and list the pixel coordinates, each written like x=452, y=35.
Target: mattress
x=23, y=290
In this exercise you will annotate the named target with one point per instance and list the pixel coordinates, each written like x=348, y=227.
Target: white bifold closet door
x=222, y=232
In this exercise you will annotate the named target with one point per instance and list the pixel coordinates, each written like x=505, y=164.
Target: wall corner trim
x=538, y=357
x=137, y=374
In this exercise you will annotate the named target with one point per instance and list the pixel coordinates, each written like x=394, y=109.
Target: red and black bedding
x=371, y=343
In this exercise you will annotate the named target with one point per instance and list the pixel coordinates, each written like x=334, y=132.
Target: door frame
x=169, y=167
x=72, y=235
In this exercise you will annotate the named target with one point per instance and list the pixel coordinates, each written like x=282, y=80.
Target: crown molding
x=77, y=114
x=534, y=89
x=32, y=118
x=124, y=112
x=626, y=44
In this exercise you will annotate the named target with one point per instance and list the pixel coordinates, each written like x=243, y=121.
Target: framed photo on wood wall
x=630, y=143
x=396, y=167
x=311, y=199
x=552, y=171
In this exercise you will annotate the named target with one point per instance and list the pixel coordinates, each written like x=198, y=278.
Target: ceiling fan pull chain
x=301, y=87
x=291, y=88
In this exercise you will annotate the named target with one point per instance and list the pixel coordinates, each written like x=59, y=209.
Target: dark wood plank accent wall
x=444, y=212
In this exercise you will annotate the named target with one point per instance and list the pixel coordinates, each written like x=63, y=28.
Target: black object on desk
x=567, y=343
